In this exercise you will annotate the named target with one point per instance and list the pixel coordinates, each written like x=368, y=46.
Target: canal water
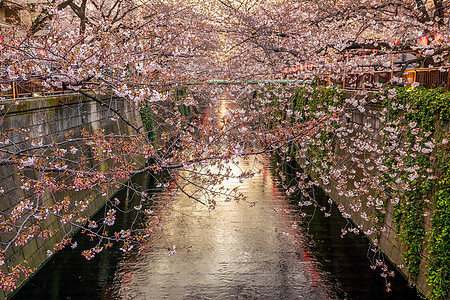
x=236, y=251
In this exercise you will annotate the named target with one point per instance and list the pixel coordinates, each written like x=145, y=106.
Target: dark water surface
x=232, y=252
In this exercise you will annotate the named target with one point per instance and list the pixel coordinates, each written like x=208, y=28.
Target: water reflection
x=232, y=252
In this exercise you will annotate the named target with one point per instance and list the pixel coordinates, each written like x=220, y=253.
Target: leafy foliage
x=400, y=166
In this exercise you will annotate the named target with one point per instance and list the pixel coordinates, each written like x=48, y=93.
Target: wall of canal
x=50, y=120
x=386, y=166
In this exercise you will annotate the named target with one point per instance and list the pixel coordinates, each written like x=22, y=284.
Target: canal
x=236, y=251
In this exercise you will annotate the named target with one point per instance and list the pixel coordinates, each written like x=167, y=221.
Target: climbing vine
x=312, y=102
x=439, y=236
x=147, y=120
x=425, y=113
x=380, y=151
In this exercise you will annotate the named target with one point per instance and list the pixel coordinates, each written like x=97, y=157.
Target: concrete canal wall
x=52, y=118
x=389, y=240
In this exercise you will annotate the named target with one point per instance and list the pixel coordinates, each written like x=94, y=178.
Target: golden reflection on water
x=233, y=251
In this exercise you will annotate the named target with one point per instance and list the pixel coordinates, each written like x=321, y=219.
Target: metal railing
x=426, y=77
x=27, y=88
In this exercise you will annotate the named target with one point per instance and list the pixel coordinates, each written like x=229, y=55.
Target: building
x=14, y=12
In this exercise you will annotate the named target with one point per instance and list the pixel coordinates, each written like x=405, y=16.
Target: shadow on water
x=345, y=261
x=68, y=275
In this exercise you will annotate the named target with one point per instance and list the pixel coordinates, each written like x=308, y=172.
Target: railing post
x=392, y=66
x=14, y=89
x=448, y=80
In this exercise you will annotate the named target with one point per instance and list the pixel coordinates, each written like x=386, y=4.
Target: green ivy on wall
x=420, y=116
x=430, y=110
x=418, y=178
x=439, y=236
x=146, y=115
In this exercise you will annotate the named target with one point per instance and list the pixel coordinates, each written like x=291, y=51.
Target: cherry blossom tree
x=137, y=52
x=159, y=56
x=333, y=37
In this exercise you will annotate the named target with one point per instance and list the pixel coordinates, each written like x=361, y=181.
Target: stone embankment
x=49, y=120
x=389, y=241
x=403, y=219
